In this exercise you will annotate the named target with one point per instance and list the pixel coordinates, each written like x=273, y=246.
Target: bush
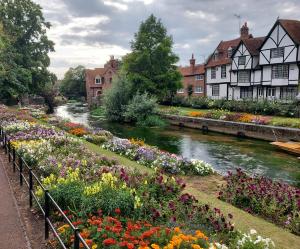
x=152, y=121
x=140, y=108
x=117, y=98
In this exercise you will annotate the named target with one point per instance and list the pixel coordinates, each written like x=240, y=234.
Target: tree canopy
x=151, y=64
x=73, y=84
x=24, y=59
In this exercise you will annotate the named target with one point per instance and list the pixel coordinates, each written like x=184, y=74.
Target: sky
x=87, y=32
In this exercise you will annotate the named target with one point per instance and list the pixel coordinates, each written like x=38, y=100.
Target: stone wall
x=265, y=132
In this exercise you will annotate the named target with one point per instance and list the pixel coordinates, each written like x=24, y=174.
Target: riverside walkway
x=12, y=234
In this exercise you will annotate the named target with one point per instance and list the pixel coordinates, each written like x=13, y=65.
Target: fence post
x=21, y=170
x=30, y=187
x=76, y=238
x=47, y=212
x=4, y=144
x=14, y=158
x=9, y=158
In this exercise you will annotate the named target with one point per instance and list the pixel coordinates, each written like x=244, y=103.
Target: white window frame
x=199, y=77
x=246, y=92
x=223, y=72
x=271, y=92
x=96, y=80
x=215, y=90
x=280, y=71
x=181, y=90
x=288, y=92
x=260, y=92
x=198, y=89
x=244, y=76
x=277, y=52
x=242, y=60
x=213, y=73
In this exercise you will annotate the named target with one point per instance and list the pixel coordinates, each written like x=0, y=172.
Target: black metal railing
x=27, y=176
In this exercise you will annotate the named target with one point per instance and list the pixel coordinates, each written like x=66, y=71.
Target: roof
x=188, y=70
x=292, y=27
x=95, y=72
x=253, y=44
x=223, y=52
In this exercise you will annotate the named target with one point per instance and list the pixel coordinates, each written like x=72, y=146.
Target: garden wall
x=265, y=132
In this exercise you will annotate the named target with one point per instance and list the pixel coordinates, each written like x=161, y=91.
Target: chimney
x=192, y=62
x=244, y=31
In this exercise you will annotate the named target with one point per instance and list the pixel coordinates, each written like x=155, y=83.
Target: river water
x=223, y=152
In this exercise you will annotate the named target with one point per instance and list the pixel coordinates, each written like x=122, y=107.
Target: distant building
x=218, y=66
x=99, y=79
x=193, y=79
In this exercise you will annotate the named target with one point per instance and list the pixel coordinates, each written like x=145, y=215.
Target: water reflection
x=222, y=151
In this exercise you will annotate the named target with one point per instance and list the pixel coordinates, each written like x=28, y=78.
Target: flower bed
x=276, y=201
x=114, y=206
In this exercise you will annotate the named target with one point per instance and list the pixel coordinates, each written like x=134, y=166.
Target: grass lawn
x=274, y=120
x=207, y=194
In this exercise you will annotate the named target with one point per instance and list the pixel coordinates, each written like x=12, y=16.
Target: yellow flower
x=94, y=246
x=155, y=246
x=194, y=246
x=177, y=230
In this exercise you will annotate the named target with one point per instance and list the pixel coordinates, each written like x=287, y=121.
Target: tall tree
x=151, y=65
x=26, y=55
x=73, y=84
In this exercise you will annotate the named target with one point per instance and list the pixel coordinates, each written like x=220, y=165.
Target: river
x=223, y=152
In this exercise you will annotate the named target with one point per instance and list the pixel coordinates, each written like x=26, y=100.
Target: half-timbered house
x=280, y=59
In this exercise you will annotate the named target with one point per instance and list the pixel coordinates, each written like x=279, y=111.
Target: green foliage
x=190, y=90
x=151, y=65
x=152, y=121
x=24, y=60
x=73, y=84
x=117, y=98
x=140, y=107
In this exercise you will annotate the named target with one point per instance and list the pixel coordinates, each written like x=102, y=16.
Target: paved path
x=12, y=235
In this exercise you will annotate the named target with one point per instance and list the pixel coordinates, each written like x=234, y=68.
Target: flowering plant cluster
x=86, y=183
x=154, y=158
x=229, y=116
x=276, y=201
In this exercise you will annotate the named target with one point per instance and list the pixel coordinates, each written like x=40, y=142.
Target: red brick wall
x=191, y=80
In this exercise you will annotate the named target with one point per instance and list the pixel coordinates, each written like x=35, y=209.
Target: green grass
x=242, y=220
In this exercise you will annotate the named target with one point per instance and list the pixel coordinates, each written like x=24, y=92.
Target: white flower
x=253, y=231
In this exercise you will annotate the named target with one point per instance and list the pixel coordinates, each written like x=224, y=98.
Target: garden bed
x=96, y=190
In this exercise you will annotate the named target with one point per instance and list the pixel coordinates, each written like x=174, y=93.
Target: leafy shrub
x=152, y=121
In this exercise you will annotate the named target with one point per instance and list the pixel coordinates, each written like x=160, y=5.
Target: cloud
x=88, y=31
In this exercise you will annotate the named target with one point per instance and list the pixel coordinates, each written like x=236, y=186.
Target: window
x=280, y=72
x=246, y=93
x=229, y=52
x=277, y=52
x=97, y=80
x=180, y=90
x=260, y=92
x=288, y=93
x=244, y=76
x=215, y=90
x=199, y=77
x=215, y=55
x=271, y=92
x=242, y=60
x=223, y=71
x=213, y=73
x=198, y=89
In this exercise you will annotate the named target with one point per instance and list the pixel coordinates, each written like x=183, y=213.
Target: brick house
x=193, y=79
x=99, y=79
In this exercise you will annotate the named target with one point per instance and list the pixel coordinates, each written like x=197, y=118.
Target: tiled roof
x=253, y=44
x=223, y=52
x=188, y=70
x=292, y=27
x=95, y=72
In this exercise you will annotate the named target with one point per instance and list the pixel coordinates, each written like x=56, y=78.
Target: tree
x=73, y=84
x=151, y=65
x=26, y=53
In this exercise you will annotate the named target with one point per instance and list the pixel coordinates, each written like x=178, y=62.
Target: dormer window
x=98, y=80
x=215, y=55
x=229, y=52
x=277, y=52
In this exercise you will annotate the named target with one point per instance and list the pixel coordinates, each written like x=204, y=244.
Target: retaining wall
x=265, y=132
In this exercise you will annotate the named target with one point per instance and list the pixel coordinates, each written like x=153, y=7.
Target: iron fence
x=27, y=176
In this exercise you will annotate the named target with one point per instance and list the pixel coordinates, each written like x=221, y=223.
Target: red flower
x=118, y=211
x=109, y=241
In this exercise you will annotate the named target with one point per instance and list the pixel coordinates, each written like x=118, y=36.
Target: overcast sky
x=86, y=32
